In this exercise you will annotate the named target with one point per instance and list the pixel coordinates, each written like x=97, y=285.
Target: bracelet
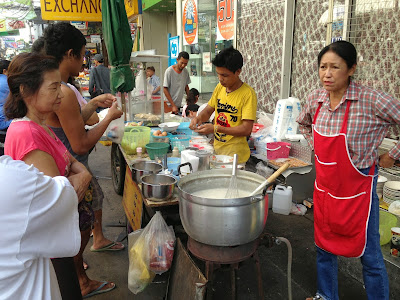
x=215, y=129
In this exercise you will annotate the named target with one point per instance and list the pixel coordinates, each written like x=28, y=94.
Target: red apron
x=342, y=195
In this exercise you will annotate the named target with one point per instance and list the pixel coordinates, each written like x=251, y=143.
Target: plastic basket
x=277, y=150
x=137, y=136
x=180, y=141
x=161, y=139
x=157, y=149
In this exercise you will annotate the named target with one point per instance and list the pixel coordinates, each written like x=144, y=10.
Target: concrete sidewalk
x=298, y=230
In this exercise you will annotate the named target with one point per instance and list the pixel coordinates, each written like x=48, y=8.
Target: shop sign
x=80, y=25
x=131, y=7
x=95, y=38
x=225, y=20
x=9, y=25
x=71, y=10
x=207, y=65
x=173, y=50
x=190, y=22
x=9, y=42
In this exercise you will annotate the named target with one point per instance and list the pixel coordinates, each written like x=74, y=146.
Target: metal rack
x=144, y=59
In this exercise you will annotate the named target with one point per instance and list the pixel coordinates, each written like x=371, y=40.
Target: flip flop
x=108, y=247
x=99, y=290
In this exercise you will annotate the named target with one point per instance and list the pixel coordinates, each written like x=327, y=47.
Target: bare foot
x=92, y=285
x=85, y=266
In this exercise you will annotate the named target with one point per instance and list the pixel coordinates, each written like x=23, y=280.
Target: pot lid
x=202, y=153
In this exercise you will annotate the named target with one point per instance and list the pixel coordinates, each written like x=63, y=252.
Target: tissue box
x=277, y=150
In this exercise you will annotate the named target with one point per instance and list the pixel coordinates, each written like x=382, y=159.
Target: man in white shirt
x=176, y=81
x=38, y=221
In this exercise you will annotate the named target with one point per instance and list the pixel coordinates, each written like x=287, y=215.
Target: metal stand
x=215, y=256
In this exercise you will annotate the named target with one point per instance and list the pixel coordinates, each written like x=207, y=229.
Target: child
x=191, y=110
x=192, y=98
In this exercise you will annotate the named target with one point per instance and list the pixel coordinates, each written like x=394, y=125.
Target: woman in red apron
x=345, y=123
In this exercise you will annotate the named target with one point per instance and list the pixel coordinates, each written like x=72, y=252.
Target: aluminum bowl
x=144, y=168
x=158, y=187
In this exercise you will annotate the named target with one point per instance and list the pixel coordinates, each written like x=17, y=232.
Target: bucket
x=277, y=150
x=282, y=203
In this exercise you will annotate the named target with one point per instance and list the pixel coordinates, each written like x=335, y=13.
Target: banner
x=71, y=10
x=9, y=25
x=79, y=10
x=190, y=22
x=9, y=42
x=225, y=20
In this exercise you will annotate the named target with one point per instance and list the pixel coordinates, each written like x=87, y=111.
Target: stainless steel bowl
x=221, y=222
x=158, y=187
x=144, y=168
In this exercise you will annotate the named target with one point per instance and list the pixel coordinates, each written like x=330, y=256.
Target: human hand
x=205, y=128
x=175, y=109
x=114, y=112
x=385, y=161
x=105, y=100
x=80, y=182
x=193, y=123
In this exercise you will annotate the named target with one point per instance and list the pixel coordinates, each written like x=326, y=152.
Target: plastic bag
x=116, y=128
x=151, y=253
x=139, y=275
x=263, y=170
x=298, y=209
x=161, y=245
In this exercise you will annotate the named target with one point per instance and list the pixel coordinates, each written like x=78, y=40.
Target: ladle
x=270, y=179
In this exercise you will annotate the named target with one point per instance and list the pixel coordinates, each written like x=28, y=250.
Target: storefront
x=208, y=26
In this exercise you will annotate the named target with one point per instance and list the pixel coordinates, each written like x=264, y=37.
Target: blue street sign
x=173, y=49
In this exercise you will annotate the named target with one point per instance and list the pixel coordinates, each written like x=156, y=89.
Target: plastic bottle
x=139, y=152
x=175, y=152
x=282, y=203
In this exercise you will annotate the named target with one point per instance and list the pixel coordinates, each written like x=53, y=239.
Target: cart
x=118, y=159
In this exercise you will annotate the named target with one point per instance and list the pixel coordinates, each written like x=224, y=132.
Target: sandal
x=316, y=297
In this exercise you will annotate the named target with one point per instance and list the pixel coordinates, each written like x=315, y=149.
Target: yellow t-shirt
x=230, y=111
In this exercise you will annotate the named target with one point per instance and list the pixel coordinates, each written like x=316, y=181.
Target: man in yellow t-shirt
x=235, y=106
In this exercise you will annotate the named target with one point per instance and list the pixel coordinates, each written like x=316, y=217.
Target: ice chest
x=277, y=150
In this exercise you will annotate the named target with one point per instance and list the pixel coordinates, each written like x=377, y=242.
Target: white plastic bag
x=298, y=209
x=151, y=254
x=115, y=130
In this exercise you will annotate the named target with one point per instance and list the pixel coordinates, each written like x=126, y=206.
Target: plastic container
x=277, y=150
x=157, y=149
x=282, y=203
x=137, y=136
x=175, y=152
x=180, y=141
x=386, y=221
x=184, y=129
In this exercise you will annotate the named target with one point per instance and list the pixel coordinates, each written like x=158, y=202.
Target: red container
x=277, y=150
x=257, y=127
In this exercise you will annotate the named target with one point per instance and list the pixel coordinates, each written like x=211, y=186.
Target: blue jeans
x=374, y=271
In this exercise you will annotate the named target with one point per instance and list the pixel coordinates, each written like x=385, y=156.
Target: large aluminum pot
x=158, y=187
x=221, y=222
x=145, y=167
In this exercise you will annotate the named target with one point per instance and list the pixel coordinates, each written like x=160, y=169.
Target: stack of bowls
x=391, y=191
x=379, y=185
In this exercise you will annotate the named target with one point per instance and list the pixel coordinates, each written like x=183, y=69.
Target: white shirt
x=38, y=221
